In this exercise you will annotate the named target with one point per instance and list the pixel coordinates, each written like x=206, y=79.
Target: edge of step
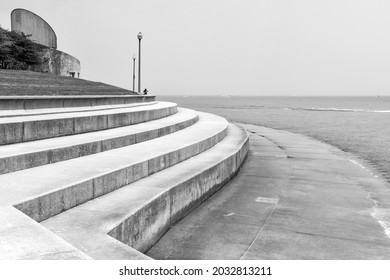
x=23, y=129
x=26, y=155
x=70, y=101
x=52, y=111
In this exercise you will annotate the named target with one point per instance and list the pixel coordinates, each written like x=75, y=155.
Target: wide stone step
x=29, y=128
x=47, y=111
x=140, y=213
x=41, y=152
x=45, y=191
x=28, y=103
x=23, y=238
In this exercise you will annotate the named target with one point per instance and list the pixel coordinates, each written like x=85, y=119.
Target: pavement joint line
x=248, y=173
x=321, y=159
x=253, y=175
x=328, y=182
x=330, y=237
x=48, y=254
x=268, y=156
x=271, y=140
x=316, y=181
x=272, y=212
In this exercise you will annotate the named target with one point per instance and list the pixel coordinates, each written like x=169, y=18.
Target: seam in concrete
x=328, y=182
x=276, y=204
x=49, y=254
x=269, y=139
x=332, y=237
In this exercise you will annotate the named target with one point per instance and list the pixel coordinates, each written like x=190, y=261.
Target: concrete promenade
x=294, y=198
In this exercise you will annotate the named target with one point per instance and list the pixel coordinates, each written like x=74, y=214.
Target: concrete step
x=48, y=190
x=41, y=152
x=140, y=213
x=29, y=103
x=48, y=111
x=29, y=128
x=23, y=238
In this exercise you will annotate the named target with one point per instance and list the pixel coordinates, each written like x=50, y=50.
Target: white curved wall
x=32, y=24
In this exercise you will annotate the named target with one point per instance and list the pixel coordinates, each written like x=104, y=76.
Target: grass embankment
x=21, y=83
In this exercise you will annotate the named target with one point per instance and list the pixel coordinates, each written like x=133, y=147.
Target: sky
x=226, y=47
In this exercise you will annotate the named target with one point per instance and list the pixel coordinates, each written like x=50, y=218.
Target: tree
x=17, y=51
x=5, y=48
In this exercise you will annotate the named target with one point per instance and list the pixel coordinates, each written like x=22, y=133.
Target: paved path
x=295, y=198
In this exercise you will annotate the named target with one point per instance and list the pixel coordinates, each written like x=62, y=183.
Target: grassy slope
x=19, y=83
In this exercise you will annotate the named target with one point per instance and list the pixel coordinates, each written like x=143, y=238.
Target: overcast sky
x=237, y=47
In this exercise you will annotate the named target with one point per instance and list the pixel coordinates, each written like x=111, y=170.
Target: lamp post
x=139, y=36
x=133, y=72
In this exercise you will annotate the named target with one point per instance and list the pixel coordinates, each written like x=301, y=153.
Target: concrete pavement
x=295, y=198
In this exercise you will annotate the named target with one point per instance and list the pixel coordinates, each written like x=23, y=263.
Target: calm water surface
x=360, y=125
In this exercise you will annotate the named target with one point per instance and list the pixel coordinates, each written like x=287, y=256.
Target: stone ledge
x=23, y=129
x=52, y=111
x=37, y=153
x=70, y=101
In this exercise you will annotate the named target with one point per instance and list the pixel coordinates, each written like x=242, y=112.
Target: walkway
x=295, y=198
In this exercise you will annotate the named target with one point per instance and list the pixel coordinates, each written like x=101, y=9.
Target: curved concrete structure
x=59, y=63
x=139, y=162
x=97, y=178
x=31, y=24
x=54, y=61
x=114, y=183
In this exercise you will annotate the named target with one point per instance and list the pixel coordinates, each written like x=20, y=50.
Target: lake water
x=360, y=125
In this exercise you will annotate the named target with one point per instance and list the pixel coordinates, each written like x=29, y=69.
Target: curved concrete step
x=24, y=103
x=140, y=213
x=23, y=129
x=48, y=111
x=41, y=152
x=44, y=191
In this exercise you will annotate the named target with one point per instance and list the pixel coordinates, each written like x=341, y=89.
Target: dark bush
x=18, y=52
